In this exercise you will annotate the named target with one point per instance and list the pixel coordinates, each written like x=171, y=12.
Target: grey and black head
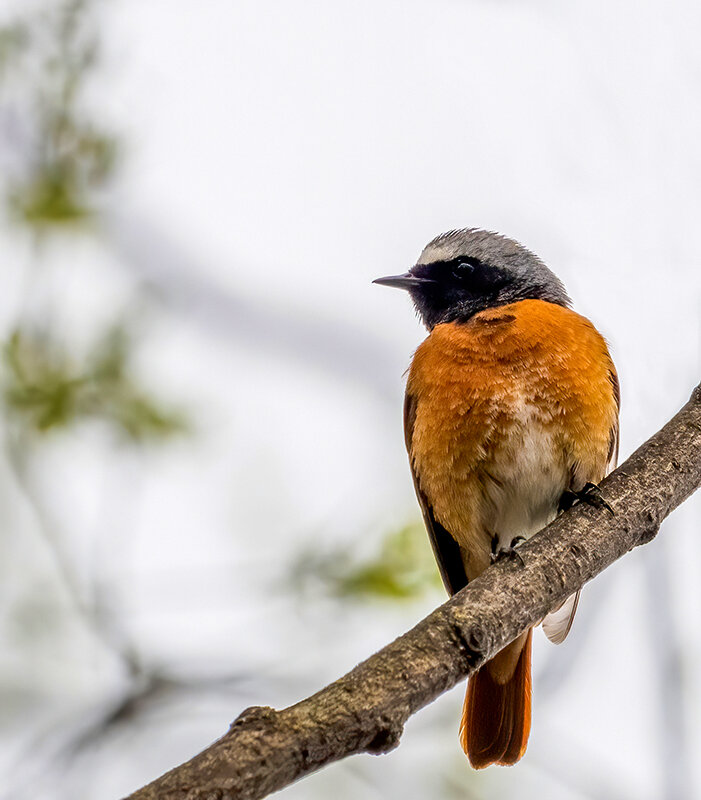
x=463, y=272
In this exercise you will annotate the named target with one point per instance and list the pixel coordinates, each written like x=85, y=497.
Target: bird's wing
x=445, y=548
x=613, y=446
x=557, y=623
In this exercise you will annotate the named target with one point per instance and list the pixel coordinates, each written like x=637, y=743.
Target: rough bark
x=365, y=710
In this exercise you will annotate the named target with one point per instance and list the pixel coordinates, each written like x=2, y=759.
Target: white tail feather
x=557, y=624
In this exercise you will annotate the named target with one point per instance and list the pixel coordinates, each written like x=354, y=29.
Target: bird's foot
x=509, y=553
x=590, y=494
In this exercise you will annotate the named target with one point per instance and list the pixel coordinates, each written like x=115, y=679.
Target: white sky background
x=287, y=153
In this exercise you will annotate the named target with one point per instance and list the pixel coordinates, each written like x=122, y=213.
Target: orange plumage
x=507, y=411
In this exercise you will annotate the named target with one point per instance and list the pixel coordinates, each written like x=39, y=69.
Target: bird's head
x=463, y=272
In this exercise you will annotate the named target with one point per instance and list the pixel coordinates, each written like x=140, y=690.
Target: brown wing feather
x=445, y=548
x=613, y=447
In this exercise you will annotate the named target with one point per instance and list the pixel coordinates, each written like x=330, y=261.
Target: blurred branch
x=181, y=279
x=42, y=389
x=17, y=447
x=666, y=651
x=365, y=711
x=55, y=164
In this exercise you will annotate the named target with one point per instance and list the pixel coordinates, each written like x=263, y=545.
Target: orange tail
x=496, y=717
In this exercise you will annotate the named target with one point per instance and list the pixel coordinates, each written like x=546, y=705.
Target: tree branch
x=365, y=711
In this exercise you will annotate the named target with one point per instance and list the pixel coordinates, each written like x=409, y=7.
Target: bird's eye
x=463, y=269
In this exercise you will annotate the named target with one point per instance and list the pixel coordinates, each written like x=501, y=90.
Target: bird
x=511, y=415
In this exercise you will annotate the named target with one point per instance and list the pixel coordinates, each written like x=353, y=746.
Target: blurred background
x=205, y=501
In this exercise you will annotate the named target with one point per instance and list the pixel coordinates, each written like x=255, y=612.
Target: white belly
x=530, y=475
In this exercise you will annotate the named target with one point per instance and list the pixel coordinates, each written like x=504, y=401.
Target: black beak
x=405, y=281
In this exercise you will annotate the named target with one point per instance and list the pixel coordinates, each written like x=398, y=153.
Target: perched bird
x=511, y=414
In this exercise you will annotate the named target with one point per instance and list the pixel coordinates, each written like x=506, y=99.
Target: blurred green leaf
x=404, y=569
x=14, y=39
x=44, y=388
x=47, y=198
x=141, y=418
x=65, y=159
x=40, y=382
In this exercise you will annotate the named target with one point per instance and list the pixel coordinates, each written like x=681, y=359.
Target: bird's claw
x=509, y=553
x=589, y=494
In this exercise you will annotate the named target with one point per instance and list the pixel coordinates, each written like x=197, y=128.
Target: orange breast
x=512, y=408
